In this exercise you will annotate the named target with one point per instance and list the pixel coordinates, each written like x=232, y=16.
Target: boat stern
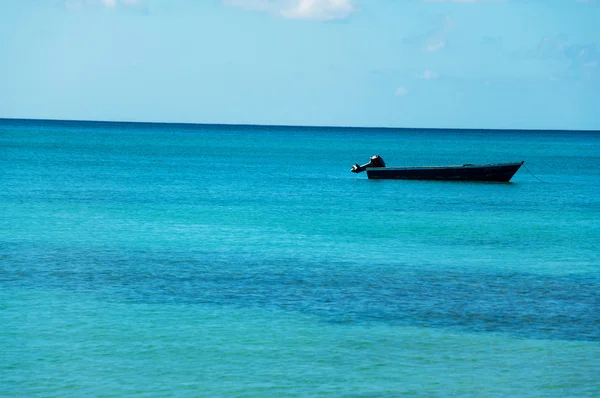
x=376, y=161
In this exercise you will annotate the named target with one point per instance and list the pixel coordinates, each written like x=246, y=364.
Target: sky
x=493, y=64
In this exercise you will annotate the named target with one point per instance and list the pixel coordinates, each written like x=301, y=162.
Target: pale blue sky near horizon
x=508, y=64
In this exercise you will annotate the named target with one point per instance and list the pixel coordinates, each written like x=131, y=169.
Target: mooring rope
x=546, y=182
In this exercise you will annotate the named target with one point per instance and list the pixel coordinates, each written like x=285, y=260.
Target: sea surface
x=161, y=260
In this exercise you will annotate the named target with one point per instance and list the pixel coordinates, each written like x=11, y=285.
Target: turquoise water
x=179, y=260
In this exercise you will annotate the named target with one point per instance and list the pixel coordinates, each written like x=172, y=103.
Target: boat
x=499, y=172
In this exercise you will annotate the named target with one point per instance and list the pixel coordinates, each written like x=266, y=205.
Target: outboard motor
x=376, y=161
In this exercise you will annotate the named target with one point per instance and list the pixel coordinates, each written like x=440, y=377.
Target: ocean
x=202, y=260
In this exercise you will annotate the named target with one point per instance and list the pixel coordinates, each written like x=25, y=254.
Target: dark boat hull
x=490, y=172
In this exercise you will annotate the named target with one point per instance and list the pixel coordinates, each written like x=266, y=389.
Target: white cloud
x=322, y=10
x=401, y=91
x=435, y=45
x=113, y=3
x=437, y=39
x=428, y=75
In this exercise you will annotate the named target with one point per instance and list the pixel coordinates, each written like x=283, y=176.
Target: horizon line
x=290, y=126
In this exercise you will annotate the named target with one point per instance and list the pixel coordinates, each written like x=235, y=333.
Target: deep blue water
x=236, y=260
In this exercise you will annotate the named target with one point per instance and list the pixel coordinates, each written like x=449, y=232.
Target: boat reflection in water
x=498, y=172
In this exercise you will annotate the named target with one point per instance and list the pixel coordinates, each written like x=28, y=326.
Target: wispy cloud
x=428, y=74
x=74, y=4
x=401, y=91
x=580, y=61
x=435, y=39
x=435, y=45
x=321, y=10
x=113, y=3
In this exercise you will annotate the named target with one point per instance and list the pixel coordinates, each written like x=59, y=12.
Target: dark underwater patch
x=565, y=307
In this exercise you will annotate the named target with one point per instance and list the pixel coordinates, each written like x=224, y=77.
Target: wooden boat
x=499, y=172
